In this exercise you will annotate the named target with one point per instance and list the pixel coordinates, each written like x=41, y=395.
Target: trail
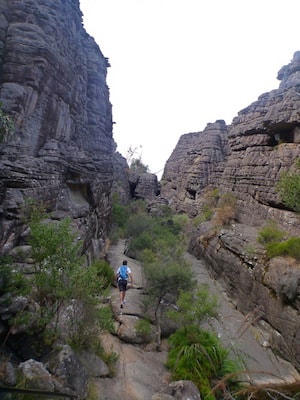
x=140, y=371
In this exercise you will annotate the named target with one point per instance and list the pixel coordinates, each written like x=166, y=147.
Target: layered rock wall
x=197, y=162
x=246, y=160
x=53, y=85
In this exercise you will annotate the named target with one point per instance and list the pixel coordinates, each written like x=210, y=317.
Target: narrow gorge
x=61, y=152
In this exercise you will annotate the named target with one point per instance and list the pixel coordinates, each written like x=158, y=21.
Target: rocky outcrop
x=53, y=86
x=197, y=162
x=144, y=186
x=264, y=140
x=246, y=160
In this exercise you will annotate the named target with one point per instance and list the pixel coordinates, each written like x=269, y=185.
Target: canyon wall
x=242, y=163
x=61, y=152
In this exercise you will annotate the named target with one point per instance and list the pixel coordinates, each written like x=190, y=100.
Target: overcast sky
x=177, y=65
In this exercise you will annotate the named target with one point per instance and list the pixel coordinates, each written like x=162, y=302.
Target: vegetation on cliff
x=289, y=188
x=59, y=283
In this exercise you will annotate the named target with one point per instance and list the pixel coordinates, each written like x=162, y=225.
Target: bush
x=211, y=197
x=156, y=234
x=119, y=215
x=270, y=233
x=56, y=257
x=289, y=189
x=105, y=272
x=143, y=328
x=12, y=282
x=226, y=209
x=194, y=306
x=138, y=224
x=138, y=167
x=197, y=355
x=290, y=247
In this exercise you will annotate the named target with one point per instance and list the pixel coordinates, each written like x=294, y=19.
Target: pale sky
x=177, y=65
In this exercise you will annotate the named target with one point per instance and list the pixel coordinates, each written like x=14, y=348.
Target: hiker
x=122, y=275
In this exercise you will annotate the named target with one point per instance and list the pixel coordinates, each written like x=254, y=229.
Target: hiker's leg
x=121, y=288
x=123, y=293
x=123, y=296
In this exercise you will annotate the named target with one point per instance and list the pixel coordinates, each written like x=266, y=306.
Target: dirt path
x=140, y=373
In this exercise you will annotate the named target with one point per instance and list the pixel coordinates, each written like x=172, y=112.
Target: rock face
x=61, y=152
x=197, y=162
x=246, y=160
x=144, y=186
x=53, y=85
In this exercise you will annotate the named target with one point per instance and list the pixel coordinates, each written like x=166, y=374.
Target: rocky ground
x=140, y=371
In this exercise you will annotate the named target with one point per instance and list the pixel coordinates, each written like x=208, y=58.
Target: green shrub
x=138, y=167
x=119, y=215
x=197, y=355
x=139, y=223
x=180, y=220
x=119, y=219
x=290, y=247
x=166, y=277
x=289, y=189
x=156, y=234
x=56, y=256
x=194, y=306
x=226, y=209
x=211, y=197
x=7, y=126
x=12, y=282
x=104, y=271
x=143, y=328
x=141, y=242
x=105, y=317
x=270, y=233
x=137, y=207
x=206, y=215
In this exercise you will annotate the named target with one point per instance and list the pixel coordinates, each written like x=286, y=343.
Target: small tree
x=193, y=307
x=56, y=256
x=138, y=166
x=166, y=277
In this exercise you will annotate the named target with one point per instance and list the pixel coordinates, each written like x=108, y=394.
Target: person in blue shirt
x=123, y=275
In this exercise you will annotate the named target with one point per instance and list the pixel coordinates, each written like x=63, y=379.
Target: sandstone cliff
x=246, y=160
x=53, y=85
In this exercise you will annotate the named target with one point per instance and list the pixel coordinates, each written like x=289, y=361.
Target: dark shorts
x=122, y=285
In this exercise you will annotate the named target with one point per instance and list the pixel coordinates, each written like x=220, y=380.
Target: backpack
x=123, y=273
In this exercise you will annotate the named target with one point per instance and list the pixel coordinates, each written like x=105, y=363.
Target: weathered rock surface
x=246, y=159
x=53, y=85
x=197, y=162
x=144, y=186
